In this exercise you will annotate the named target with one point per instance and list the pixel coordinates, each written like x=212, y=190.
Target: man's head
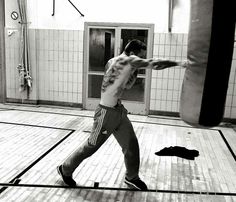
x=136, y=47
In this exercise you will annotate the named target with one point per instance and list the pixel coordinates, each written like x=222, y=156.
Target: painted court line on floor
x=11, y=183
x=117, y=189
x=40, y=157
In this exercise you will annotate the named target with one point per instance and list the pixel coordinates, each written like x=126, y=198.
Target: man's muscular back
x=118, y=74
x=121, y=71
x=121, y=74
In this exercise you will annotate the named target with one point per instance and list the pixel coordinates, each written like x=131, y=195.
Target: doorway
x=2, y=51
x=103, y=41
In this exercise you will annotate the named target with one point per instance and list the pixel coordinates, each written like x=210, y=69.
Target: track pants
x=108, y=121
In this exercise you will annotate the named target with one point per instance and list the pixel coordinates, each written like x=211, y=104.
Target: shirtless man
x=111, y=116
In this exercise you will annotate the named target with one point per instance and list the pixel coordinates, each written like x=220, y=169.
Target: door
x=104, y=41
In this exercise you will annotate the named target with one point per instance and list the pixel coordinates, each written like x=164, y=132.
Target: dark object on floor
x=96, y=184
x=179, y=152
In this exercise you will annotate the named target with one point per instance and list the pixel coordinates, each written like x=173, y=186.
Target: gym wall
x=58, y=56
x=166, y=84
x=56, y=51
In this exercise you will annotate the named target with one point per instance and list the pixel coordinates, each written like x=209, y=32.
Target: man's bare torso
x=119, y=76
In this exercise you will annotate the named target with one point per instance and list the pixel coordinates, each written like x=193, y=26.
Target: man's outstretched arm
x=156, y=64
x=160, y=64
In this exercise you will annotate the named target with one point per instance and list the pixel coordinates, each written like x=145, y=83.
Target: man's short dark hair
x=135, y=46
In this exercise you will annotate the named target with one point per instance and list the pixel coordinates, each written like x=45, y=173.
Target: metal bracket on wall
x=53, y=13
x=76, y=8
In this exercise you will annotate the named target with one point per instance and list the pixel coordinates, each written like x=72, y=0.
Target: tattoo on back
x=110, y=76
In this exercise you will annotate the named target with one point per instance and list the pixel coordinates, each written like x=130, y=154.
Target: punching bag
x=210, y=50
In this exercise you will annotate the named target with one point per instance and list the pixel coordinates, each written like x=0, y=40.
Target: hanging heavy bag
x=210, y=50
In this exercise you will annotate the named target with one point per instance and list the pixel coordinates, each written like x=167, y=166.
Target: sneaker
x=67, y=179
x=137, y=184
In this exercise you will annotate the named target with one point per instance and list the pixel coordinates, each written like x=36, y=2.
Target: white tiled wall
x=60, y=64
x=12, y=60
x=57, y=65
x=166, y=84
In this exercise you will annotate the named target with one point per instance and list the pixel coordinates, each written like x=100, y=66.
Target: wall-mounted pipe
x=25, y=79
x=53, y=12
x=170, y=17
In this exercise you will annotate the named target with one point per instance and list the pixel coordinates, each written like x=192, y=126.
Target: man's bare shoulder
x=122, y=57
x=119, y=61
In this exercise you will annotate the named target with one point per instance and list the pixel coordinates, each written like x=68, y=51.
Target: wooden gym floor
x=35, y=139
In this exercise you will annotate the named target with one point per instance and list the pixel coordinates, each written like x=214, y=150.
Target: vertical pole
x=2, y=53
x=170, y=16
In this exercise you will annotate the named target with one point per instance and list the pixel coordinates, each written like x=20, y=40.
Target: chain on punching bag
x=210, y=50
